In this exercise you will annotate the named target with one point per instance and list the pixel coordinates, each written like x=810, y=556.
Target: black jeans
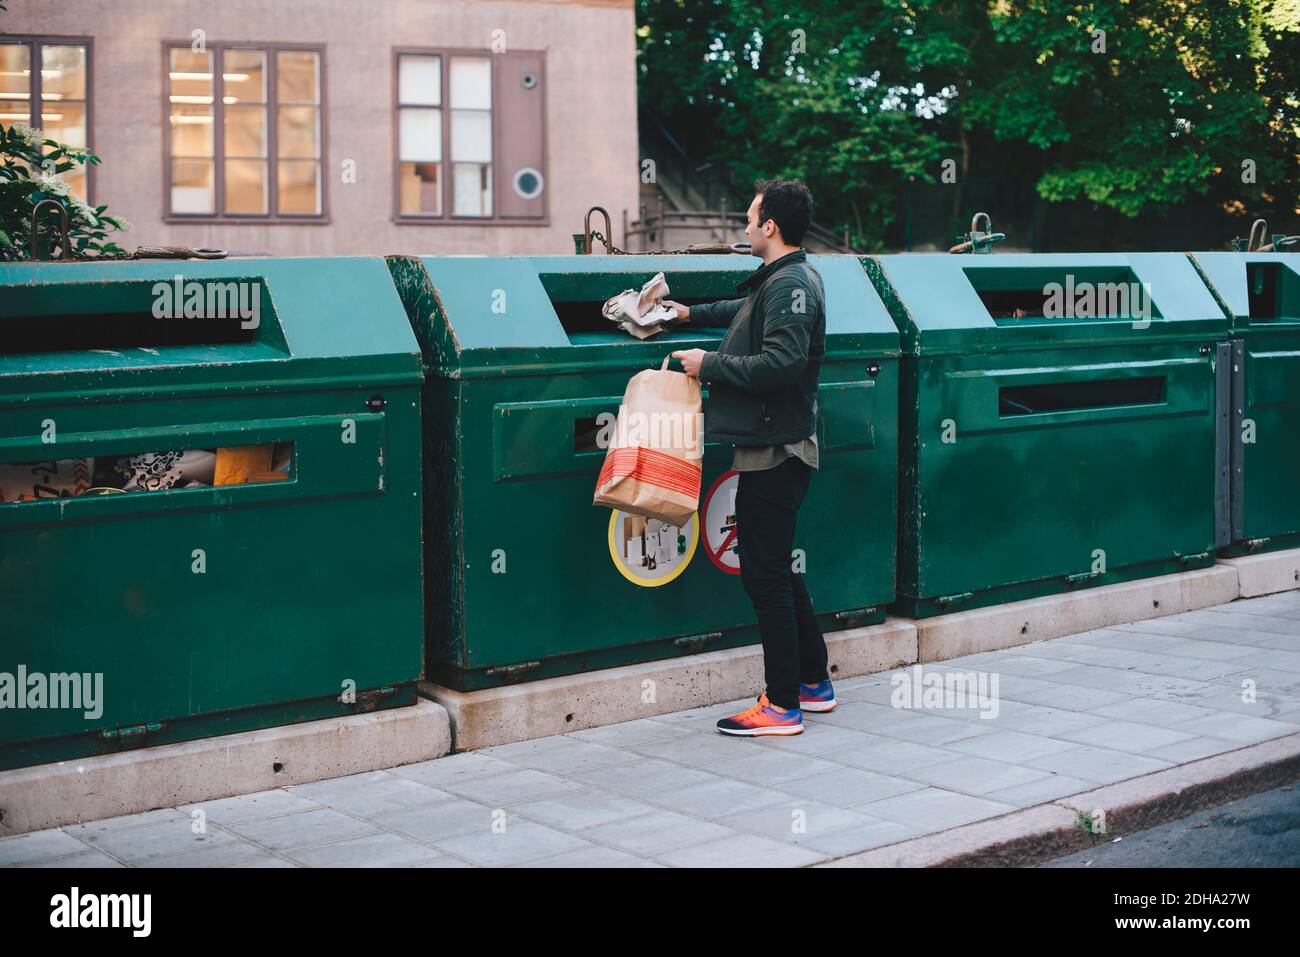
x=767, y=506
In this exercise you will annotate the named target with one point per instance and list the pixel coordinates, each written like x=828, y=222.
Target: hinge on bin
x=954, y=599
x=1254, y=544
x=1082, y=577
x=855, y=613
x=511, y=672
x=1188, y=559
x=111, y=734
x=694, y=644
x=369, y=700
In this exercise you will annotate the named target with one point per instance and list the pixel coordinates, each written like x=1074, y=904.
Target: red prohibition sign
x=713, y=547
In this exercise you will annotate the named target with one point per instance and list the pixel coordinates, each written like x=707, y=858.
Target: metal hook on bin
x=603, y=237
x=65, y=246
x=1278, y=243
x=979, y=240
x=1254, y=243
x=1258, y=226
x=1259, y=229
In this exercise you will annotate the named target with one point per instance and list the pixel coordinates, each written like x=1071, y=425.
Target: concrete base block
x=1072, y=613
x=70, y=792
x=1265, y=574
x=535, y=709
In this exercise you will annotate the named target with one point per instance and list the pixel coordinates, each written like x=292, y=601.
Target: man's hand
x=683, y=312
x=690, y=359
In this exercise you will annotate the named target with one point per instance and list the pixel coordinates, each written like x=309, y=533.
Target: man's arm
x=786, y=335
x=718, y=313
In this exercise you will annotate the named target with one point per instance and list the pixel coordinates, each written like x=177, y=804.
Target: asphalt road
x=1258, y=831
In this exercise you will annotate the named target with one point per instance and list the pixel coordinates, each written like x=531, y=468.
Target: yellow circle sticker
x=649, y=552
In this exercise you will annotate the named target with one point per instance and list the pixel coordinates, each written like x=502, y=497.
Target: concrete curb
x=1047, y=831
x=69, y=792
x=535, y=709
x=1072, y=613
x=1267, y=573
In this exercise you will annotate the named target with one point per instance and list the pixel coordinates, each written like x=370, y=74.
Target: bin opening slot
x=1273, y=291
x=585, y=433
x=154, y=471
x=586, y=317
x=84, y=316
x=1046, y=397
x=1043, y=295
x=577, y=299
x=30, y=334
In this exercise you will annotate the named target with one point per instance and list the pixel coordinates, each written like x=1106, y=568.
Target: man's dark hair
x=787, y=203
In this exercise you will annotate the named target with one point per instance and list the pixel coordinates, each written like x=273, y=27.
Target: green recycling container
x=210, y=500
x=526, y=578
x=1261, y=294
x=1062, y=423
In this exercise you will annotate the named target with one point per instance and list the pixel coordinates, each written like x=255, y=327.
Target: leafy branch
x=30, y=169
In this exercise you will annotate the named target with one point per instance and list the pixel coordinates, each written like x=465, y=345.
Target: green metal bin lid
x=492, y=314
x=946, y=304
x=1275, y=302
x=81, y=328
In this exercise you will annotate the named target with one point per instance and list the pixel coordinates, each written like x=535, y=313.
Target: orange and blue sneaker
x=818, y=697
x=763, y=719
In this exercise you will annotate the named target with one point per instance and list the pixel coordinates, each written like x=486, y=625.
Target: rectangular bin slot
x=32, y=334
x=583, y=322
x=1075, y=396
x=1038, y=295
x=581, y=317
x=79, y=317
x=1273, y=291
x=145, y=472
x=585, y=432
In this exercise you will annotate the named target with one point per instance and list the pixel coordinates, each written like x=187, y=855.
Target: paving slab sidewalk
x=1120, y=712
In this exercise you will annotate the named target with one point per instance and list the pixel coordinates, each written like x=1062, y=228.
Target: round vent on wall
x=528, y=183
x=528, y=80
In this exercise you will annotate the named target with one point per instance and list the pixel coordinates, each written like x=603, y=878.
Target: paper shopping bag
x=652, y=466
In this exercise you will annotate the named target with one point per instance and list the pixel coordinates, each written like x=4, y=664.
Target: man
x=762, y=399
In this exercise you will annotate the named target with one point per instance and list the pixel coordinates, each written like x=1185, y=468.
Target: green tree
x=1135, y=106
x=816, y=90
x=1279, y=78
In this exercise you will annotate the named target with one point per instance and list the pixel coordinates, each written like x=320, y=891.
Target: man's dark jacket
x=763, y=378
